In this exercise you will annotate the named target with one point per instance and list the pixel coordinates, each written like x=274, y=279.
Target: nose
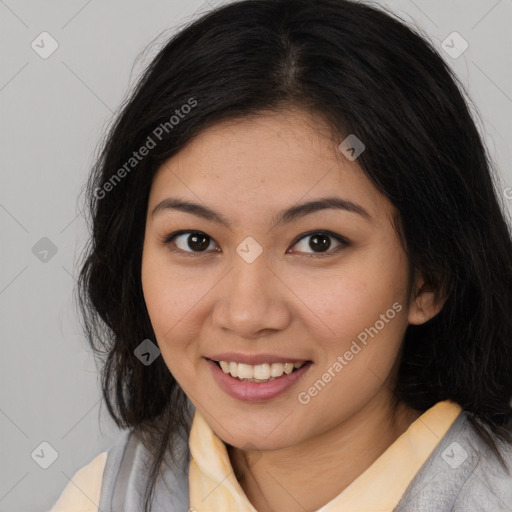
x=252, y=301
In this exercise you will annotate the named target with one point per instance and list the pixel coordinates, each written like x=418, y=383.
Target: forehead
x=265, y=160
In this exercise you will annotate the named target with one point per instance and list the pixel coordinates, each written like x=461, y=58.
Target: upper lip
x=254, y=359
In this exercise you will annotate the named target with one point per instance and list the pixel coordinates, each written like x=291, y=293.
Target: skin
x=285, y=302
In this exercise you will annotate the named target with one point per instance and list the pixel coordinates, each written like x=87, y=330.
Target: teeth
x=288, y=368
x=244, y=371
x=259, y=372
x=233, y=369
x=262, y=371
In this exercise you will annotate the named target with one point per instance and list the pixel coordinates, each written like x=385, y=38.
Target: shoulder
x=82, y=493
x=461, y=475
x=489, y=485
x=126, y=476
x=117, y=478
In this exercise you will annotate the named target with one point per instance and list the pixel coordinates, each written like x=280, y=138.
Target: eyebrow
x=284, y=217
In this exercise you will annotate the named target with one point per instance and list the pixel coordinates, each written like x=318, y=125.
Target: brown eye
x=189, y=241
x=196, y=242
x=320, y=242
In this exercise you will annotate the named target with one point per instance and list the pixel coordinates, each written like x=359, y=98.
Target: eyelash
x=343, y=241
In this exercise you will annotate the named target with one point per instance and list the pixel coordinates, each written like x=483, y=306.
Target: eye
x=194, y=243
x=189, y=241
x=320, y=243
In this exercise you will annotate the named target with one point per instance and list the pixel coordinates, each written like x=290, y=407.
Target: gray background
x=54, y=112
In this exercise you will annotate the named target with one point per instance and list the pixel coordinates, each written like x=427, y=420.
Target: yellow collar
x=214, y=487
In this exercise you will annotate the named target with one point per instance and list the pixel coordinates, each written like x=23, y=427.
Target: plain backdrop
x=53, y=113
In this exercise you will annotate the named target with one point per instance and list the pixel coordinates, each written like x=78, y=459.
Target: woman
x=300, y=275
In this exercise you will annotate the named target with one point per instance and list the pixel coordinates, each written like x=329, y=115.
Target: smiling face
x=305, y=288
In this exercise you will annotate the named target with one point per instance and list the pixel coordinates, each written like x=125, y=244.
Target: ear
x=425, y=303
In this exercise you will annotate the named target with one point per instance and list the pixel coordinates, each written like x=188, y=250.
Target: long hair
x=366, y=73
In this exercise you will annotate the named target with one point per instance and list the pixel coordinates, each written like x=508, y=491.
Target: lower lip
x=256, y=391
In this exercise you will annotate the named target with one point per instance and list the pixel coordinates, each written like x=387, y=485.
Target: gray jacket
x=461, y=475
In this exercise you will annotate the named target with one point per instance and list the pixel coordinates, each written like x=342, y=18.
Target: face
x=325, y=285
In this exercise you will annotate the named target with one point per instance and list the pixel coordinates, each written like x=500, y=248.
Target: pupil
x=200, y=239
x=316, y=246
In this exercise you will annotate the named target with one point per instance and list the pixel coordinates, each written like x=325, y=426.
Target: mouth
x=265, y=372
x=248, y=386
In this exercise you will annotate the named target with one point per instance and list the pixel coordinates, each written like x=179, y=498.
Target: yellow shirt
x=211, y=475
x=82, y=493
x=214, y=487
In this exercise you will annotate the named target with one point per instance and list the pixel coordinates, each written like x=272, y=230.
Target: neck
x=281, y=479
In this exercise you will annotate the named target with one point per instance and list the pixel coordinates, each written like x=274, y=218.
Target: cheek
x=363, y=319
x=367, y=321
x=175, y=302
x=348, y=303
x=165, y=304
x=166, y=308
x=168, y=295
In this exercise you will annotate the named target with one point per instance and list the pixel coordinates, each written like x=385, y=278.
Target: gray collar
x=461, y=475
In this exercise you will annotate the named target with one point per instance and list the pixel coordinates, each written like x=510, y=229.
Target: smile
x=264, y=372
x=252, y=389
